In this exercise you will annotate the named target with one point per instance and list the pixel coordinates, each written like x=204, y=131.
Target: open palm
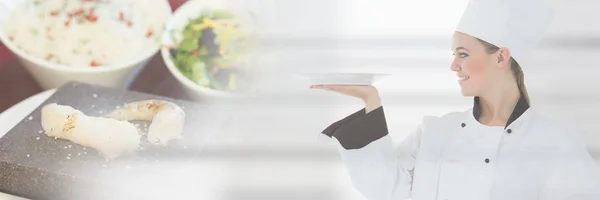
x=363, y=92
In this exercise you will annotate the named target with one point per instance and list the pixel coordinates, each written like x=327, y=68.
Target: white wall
x=398, y=17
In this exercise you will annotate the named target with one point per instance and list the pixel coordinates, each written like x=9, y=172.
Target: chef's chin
x=467, y=92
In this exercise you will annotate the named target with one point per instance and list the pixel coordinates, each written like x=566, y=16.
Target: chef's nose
x=454, y=66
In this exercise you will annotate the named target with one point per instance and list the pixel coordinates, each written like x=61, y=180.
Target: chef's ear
x=503, y=57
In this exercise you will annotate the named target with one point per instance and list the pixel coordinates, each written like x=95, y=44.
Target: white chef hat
x=518, y=25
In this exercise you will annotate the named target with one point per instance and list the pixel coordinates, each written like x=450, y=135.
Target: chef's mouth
x=463, y=78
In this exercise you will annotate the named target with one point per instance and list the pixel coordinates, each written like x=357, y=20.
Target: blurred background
x=411, y=41
x=271, y=151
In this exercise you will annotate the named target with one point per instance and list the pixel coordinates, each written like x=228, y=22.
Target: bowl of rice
x=209, y=47
x=102, y=42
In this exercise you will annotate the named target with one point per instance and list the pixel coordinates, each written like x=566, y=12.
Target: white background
x=398, y=17
x=409, y=39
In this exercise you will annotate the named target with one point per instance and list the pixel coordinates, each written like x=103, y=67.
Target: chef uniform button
x=463, y=125
x=487, y=160
x=509, y=131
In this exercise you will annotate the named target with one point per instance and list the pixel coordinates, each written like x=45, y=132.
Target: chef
x=500, y=149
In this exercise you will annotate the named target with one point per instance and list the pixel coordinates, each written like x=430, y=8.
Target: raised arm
x=376, y=169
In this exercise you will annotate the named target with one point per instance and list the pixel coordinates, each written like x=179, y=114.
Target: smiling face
x=476, y=68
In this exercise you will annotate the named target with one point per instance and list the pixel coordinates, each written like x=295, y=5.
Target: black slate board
x=35, y=166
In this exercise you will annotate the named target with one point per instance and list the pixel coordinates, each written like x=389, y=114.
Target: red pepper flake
x=196, y=52
x=50, y=56
x=129, y=24
x=93, y=63
x=92, y=17
x=54, y=13
x=67, y=23
x=11, y=38
x=121, y=16
x=149, y=33
x=78, y=12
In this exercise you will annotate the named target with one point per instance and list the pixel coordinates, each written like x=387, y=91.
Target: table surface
x=16, y=84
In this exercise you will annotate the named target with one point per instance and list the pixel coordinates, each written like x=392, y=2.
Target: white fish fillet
x=167, y=118
x=111, y=138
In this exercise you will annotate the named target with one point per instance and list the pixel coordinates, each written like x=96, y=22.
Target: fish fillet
x=111, y=138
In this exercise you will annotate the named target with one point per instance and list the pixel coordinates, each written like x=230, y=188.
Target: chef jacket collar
x=519, y=109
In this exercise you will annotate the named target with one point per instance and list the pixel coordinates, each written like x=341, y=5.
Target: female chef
x=500, y=149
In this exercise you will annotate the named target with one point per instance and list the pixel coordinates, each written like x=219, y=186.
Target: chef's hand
x=367, y=93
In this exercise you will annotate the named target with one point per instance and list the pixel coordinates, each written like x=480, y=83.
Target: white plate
x=12, y=116
x=343, y=78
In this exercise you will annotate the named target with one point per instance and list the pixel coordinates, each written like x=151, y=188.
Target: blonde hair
x=514, y=66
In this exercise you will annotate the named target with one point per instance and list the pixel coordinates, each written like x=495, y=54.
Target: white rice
x=114, y=32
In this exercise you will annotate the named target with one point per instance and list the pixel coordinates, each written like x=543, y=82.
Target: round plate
x=12, y=116
x=342, y=78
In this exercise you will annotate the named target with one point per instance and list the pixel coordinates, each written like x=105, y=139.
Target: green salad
x=215, y=51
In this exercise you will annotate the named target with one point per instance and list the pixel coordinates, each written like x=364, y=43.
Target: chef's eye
x=462, y=55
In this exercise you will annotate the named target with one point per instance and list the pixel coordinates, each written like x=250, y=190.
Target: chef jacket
x=454, y=157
